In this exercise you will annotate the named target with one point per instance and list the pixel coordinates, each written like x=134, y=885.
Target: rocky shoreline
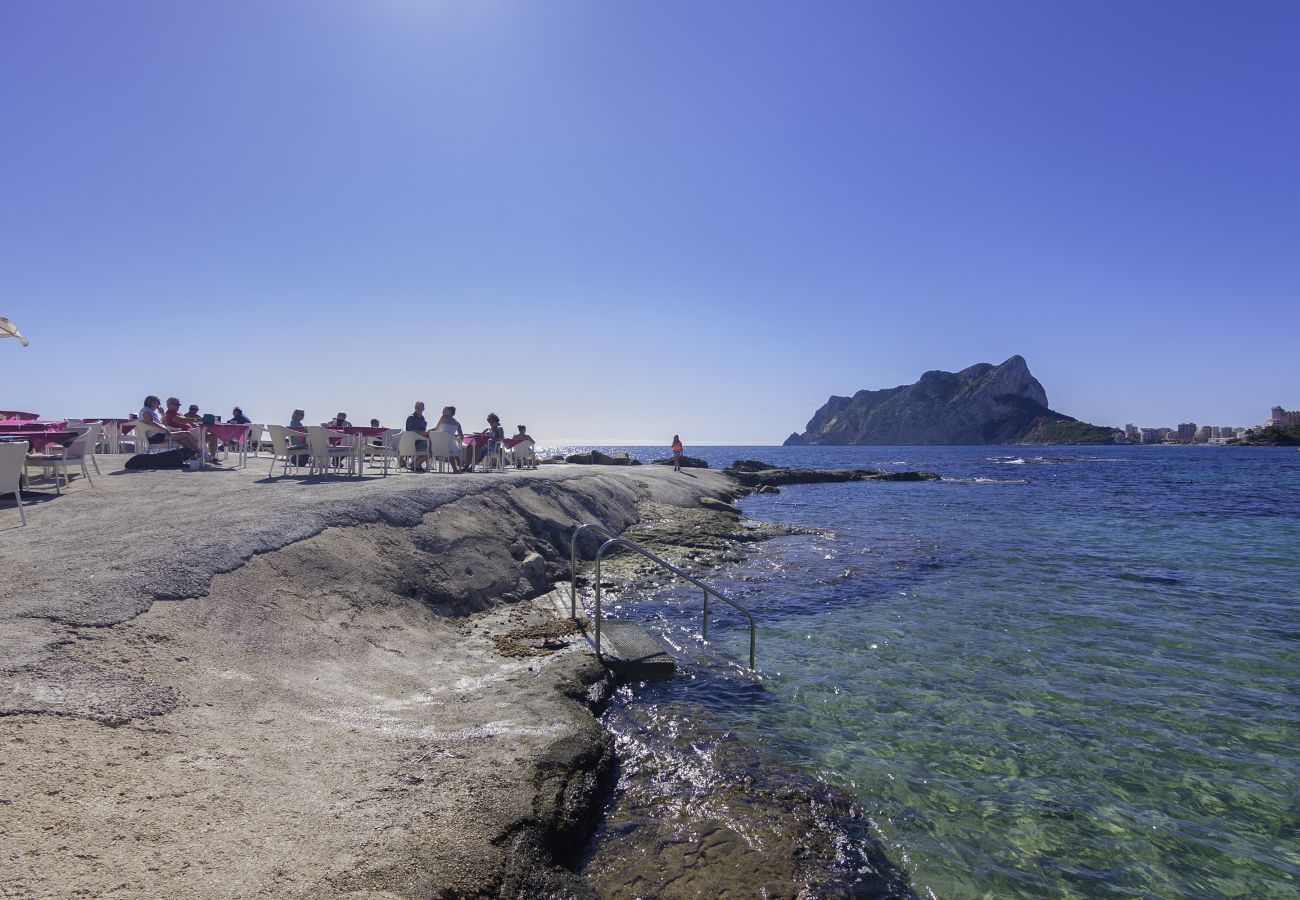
x=365, y=681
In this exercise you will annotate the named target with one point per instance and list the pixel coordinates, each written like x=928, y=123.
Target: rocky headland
x=982, y=404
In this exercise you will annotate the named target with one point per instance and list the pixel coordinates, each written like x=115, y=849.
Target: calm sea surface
x=1057, y=672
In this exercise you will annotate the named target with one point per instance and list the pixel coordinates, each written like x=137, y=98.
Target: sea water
x=1061, y=671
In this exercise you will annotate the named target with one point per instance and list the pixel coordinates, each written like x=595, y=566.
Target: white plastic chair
x=12, y=458
x=406, y=448
x=441, y=444
x=92, y=441
x=387, y=448
x=524, y=455
x=143, y=430
x=253, y=440
x=324, y=454
x=283, y=449
x=59, y=459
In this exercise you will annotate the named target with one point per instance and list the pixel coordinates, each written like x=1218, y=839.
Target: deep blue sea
x=1067, y=671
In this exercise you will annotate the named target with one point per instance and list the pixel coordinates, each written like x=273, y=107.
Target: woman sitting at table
x=449, y=424
x=295, y=421
x=149, y=413
x=496, y=435
x=175, y=421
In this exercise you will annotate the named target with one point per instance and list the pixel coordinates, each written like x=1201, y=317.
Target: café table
x=231, y=433
x=351, y=432
x=39, y=439
x=361, y=432
x=476, y=442
x=18, y=425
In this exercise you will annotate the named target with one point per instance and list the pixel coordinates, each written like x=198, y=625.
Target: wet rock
x=719, y=505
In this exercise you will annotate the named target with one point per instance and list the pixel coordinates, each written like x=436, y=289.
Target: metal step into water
x=633, y=653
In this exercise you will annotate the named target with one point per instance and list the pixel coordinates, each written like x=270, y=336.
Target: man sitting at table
x=177, y=422
x=417, y=423
x=340, y=421
x=237, y=417
x=149, y=413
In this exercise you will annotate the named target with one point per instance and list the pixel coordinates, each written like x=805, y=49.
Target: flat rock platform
x=219, y=684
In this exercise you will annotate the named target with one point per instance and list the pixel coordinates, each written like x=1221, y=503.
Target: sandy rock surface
x=214, y=684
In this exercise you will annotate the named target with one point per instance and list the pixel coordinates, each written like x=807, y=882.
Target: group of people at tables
x=493, y=438
x=181, y=429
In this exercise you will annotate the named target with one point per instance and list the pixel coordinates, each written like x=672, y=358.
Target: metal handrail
x=617, y=541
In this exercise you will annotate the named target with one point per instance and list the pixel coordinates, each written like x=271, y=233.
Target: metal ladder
x=615, y=540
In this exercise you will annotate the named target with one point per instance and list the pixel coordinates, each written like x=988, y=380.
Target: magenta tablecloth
x=41, y=439
x=227, y=432
x=7, y=427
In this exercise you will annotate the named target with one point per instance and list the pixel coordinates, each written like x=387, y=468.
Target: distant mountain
x=984, y=404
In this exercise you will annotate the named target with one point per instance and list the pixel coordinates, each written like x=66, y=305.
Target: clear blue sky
x=617, y=221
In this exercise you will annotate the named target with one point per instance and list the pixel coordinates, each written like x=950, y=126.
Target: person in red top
x=677, y=453
x=178, y=422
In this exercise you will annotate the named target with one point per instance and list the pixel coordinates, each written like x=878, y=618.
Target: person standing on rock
x=677, y=453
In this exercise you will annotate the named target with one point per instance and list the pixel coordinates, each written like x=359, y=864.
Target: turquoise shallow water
x=1058, y=672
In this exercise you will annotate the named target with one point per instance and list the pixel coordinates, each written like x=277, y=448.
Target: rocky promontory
x=982, y=404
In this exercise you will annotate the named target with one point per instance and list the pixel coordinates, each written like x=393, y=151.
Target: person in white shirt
x=449, y=424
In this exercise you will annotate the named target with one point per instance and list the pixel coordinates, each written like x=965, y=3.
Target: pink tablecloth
x=42, y=439
x=227, y=432
x=11, y=426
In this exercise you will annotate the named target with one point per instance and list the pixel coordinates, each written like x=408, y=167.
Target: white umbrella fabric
x=9, y=329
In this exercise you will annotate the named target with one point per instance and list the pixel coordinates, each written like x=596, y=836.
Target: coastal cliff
x=982, y=404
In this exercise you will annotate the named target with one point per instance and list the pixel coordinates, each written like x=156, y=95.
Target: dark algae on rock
x=982, y=404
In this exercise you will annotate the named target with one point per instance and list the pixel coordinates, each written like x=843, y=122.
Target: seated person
x=449, y=424
x=295, y=421
x=417, y=423
x=193, y=413
x=496, y=435
x=150, y=413
x=237, y=417
x=522, y=437
x=339, y=421
x=376, y=441
x=177, y=422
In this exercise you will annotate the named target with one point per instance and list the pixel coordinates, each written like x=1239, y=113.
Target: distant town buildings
x=1283, y=417
x=1191, y=433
